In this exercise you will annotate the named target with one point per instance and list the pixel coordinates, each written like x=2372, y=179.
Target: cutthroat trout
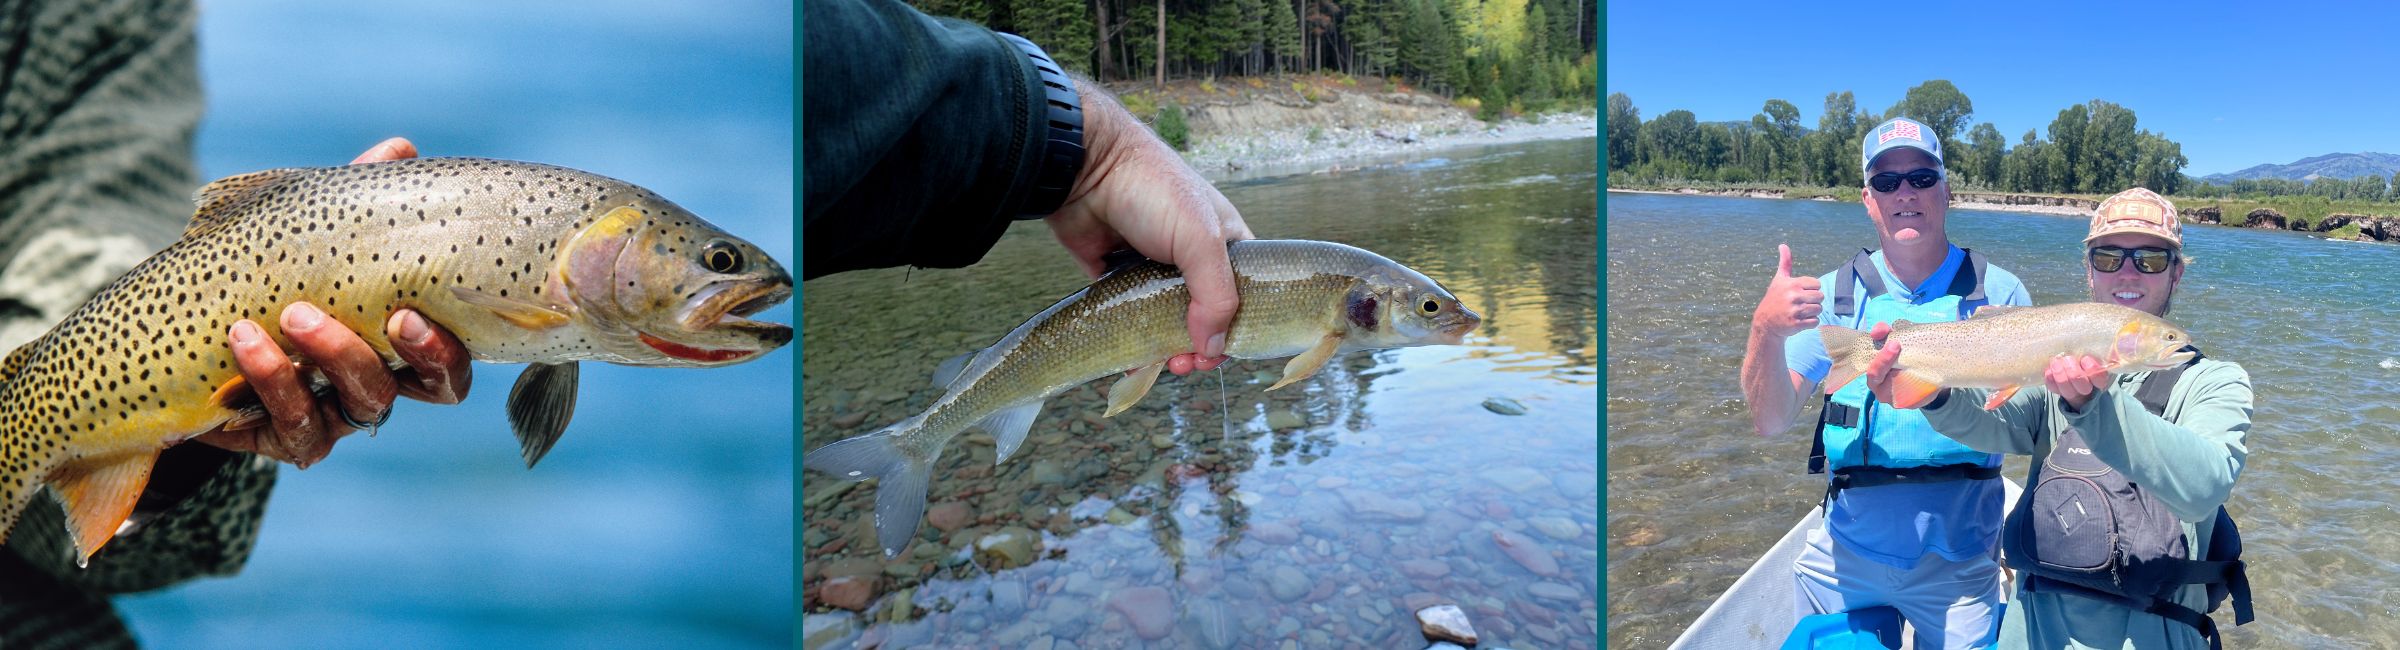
x=1306, y=298
x=2006, y=348
x=523, y=262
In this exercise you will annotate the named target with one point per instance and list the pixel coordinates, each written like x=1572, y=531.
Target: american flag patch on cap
x=1899, y=129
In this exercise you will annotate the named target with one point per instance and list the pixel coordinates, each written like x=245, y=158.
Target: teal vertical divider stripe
x=1599, y=268
x=799, y=320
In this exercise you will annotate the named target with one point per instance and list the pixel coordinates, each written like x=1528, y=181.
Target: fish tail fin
x=1850, y=350
x=900, y=495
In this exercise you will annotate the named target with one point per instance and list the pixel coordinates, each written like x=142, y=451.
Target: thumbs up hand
x=1792, y=303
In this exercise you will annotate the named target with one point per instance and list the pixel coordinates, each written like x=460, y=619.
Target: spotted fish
x=2007, y=348
x=525, y=263
x=1308, y=300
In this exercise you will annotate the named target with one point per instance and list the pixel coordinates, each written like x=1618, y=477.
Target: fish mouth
x=728, y=307
x=2169, y=359
x=1455, y=331
x=722, y=317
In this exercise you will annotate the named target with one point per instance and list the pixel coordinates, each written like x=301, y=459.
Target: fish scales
x=2017, y=343
x=1290, y=297
x=479, y=246
x=2005, y=348
x=1304, y=299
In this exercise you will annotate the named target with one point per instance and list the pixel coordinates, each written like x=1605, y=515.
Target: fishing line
x=1224, y=416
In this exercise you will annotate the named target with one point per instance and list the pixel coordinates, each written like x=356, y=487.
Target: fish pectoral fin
x=99, y=494
x=1911, y=389
x=517, y=312
x=2001, y=396
x=1301, y=367
x=540, y=405
x=234, y=394
x=1008, y=427
x=1132, y=387
x=247, y=417
x=948, y=371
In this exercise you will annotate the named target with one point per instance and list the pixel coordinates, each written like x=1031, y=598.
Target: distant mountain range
x=2333, y=165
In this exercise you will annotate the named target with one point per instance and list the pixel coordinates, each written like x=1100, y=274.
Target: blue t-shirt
x=1896, y=524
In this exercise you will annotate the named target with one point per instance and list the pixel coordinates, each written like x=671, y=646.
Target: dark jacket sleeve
x=98, y=103
x=920, y=136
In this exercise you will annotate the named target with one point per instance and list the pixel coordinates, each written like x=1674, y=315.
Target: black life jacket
x=2083, y=528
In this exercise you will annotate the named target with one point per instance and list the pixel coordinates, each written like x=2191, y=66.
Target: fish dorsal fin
x=1120, y=259
x=951, y=367
x=1988, y=311
x=217, y=199
x=1904, y=324
x=15, y=363
x=540, y=405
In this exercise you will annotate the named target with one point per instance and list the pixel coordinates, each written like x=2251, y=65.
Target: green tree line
x=1522, y=53
x=2369, y=187
x=2095, y=147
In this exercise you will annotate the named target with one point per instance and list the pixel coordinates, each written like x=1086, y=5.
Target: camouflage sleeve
x=98, y=103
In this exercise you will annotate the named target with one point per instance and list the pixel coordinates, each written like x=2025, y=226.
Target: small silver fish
x=1308, y=300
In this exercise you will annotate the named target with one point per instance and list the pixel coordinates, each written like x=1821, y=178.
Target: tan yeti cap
x=2137, y=210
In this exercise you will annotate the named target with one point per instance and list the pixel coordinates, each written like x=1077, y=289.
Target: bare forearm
x=1767, y=385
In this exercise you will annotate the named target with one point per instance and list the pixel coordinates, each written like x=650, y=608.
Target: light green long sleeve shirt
x=2188, y=460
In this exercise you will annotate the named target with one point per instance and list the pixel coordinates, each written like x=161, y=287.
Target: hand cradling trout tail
x=1307, y=300
x=524, y=263
x=2006, y=348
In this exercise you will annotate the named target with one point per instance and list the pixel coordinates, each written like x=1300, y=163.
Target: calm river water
x=1319, y=515
x=1694, y=497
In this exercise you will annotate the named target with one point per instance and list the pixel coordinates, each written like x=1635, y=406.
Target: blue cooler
x=1873, y=628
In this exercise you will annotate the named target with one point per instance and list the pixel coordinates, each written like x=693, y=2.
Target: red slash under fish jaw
x=689, y=353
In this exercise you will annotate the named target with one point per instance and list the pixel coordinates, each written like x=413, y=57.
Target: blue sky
x=2237, y=85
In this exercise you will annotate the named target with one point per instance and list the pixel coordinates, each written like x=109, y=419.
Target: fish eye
x=721, y=257
x=1430, y=307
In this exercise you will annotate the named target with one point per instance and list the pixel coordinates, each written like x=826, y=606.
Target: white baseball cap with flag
x=1895, y=133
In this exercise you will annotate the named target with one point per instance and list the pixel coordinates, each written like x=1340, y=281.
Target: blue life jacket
x=2083, y=528
x=1868, y=443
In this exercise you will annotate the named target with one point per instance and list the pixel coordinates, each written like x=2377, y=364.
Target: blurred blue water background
x=664, y=518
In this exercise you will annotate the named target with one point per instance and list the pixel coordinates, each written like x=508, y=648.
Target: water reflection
x=1216, y=514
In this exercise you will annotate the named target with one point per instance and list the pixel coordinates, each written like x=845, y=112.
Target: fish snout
x=1466, y=320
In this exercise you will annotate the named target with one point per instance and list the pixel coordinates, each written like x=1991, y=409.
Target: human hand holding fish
x=1136, y=191
x=300, y=429
x=2068, y=376
x=2065, y=347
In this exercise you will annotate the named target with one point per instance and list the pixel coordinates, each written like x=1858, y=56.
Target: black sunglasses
x=1920, y=179
x=2149, y=259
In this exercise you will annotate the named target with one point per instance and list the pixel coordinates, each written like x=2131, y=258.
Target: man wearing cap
x=2120, y=539
x=1910, y=516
